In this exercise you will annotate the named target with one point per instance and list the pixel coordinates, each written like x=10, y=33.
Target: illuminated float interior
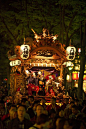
x=45, y=54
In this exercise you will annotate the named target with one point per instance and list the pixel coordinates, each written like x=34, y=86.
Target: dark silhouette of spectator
x=53, y=105
x=68, y=124
x=60, y=123
x=43, y=102
x=42, y=121
x=20, y=122
x=76, y=114
x=78, y=103
x=8, y=117
x=64, y=103
x=39, y=110
x=32, y=110
x=68, y=110
x=31, y=100
x=40, y=92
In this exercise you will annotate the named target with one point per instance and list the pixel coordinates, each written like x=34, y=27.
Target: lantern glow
x=75, y=76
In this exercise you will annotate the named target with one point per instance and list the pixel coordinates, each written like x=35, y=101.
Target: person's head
x=66, y=100
x=23, y=101
x=13, y=112
x=36, y=102
x=53, y=101
x=61, y=113
x=31, y=99
x=67, y=125
x=74, y=109
x=43, y=101
x=21, y=112
x=60, y=123
x=71, y=104
x=76, y=102
x=39, y=110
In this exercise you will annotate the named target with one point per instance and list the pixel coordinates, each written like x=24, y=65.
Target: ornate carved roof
x=45, y=48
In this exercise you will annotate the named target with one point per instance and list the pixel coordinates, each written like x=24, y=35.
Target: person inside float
x=37, y=82
x=49, y=84
x=29, y=82
x=41, y=83
x=40, y=92
x=32, y=83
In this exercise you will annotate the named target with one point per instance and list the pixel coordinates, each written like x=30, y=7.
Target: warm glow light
x=76, y=85
x=59, y=78
x=37, y=40
x=79, y=50
x=39, y=73
x=70, y=68
x=84, y=77
x=54, y=38
x=75, y=76
x=77, y=67
x=67, y=77
x=68, y=63
x=76, y=61
x=27, y=71
x=48, y=103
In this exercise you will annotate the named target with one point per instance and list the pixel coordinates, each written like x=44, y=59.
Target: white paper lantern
x=70, y=52
x=24, y=51
x=15, y=62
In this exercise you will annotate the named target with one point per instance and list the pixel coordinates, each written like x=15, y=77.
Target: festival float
x=42, y=61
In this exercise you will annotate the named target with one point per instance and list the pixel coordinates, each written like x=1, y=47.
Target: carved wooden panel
x=19, y=80
x=16, y=81
x=12, y=83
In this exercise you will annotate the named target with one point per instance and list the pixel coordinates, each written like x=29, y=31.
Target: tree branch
x=71, y=21
x=74, y=33
x=9, y=30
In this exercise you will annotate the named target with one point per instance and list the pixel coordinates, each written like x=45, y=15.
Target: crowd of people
x=32, y=113
x=27, y=111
